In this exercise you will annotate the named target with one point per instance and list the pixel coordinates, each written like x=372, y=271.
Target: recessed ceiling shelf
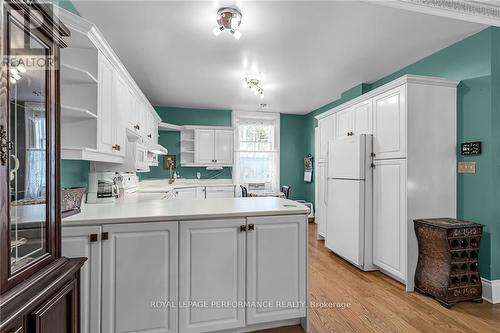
x=76, y=112
x=73, y=74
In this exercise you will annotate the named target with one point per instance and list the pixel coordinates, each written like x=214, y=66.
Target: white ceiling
x=306, y=53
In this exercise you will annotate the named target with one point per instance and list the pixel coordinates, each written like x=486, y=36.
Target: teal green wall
x=292, y=154
x=475, y=61
x=74, y=173
x=68, y=5
x=171, y=140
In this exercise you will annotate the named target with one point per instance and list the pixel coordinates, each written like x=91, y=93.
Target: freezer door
x=346, y=157
x=345, y=219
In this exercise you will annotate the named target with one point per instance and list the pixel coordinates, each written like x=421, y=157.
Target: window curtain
x=254, y=160
x=35, y=152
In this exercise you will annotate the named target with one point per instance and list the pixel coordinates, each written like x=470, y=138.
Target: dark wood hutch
x=39, y=289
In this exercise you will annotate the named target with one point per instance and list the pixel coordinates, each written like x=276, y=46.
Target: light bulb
x=255, y=92
x=244, y=85
x=217, y=31
x=12, y=80
x=262, y=95
x=14, y=71
x=16, y=76
x=235, y=22
x=21, y=68
x=236, y=34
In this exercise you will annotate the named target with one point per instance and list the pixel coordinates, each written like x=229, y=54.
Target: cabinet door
x=58, y=314
x=220, y=192
x=362, y=118
x=223, y=147
x=344, y=123
x=105, y=120
x=120, y=112
x=321, y=201
x=212, y=269
x=186, y=193
x=85, y=242
x=204, y=146
x=389, y=124
x=139, y=272
x=200, y=192
x=327, y=130
x=276, y=268
x=389, y=217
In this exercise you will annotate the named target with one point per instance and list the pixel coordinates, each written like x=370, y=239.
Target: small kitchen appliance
x=102, y=187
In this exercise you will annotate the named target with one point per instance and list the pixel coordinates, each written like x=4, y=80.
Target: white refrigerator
x=349, y=212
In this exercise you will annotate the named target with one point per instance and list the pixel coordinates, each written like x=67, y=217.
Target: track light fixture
x=228, y=19
x=254, y=85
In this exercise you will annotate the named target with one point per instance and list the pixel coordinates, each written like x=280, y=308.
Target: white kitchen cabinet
x=204, y=146
x=213, y=147
x=211, y=268
x=223, y=147
x=200, y=192
x=106, y=127
x=219, y=192
x=389, y=216
x=327, y=130
x=321, y=199
x=139, y=263
x=120, y=111
x=389, y=124
x=355, y=120
x=276, y=267
x=186, y=193
x=85, y=242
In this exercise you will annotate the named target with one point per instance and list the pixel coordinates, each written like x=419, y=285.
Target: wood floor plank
x=378, y=303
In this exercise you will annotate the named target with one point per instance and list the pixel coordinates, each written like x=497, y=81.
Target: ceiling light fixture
x=228, y=19
x=254, y=85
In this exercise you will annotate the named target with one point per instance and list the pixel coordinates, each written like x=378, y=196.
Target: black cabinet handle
x=104, y=236
x=93, y=238
x=251, y=227
x=243, y=228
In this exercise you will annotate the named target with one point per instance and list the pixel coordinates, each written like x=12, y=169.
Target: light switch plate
x=466, y=167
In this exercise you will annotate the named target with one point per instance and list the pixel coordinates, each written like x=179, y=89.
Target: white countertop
x=149, y=207
x=162, y=185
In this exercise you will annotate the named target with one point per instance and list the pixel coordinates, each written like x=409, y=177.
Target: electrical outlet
x=466, y=167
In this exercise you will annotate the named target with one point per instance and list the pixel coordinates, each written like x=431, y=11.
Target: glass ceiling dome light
x=228, y=18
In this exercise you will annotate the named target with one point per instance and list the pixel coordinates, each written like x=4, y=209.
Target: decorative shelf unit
x=187, y=146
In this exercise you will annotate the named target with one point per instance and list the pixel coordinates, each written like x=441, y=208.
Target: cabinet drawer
x=220, y=192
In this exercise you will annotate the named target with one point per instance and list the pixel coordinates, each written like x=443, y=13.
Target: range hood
x=158, y=149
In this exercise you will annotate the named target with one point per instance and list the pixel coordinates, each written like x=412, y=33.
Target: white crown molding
x=482, y=11
x=414, y=79
x=491, y=290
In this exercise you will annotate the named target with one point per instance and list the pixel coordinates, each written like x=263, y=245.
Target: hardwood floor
x=377, y=303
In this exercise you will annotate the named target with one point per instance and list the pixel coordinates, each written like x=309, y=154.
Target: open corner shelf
x=68, y=111
x=73, y=74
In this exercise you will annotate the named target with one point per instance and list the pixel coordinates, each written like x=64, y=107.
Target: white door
x=362, y=118
x=327, y=130
x=212, y=269
x=186, y=193
x=389, y=124
x=204, y=146
x=321, y=200
x=389, y=217
x=276, y=267
x=200, y=192
x=139, y=268
x=345, y=226
x=80, y=242
x=223, y=147
x=344, y=123
x=220, y=192
x=106, y=104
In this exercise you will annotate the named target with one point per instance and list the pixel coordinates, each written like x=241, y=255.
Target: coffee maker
x=102, y=187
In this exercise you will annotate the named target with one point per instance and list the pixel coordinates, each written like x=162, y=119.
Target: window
x=256, y=149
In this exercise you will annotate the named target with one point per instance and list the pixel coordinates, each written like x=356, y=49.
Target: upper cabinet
x=327, y=132
x=101, y=103
x=204, y=146
x=389, y=113
x=355, y=120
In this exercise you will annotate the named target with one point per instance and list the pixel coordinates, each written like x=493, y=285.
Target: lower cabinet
x=84, y=242
x=276, y=268
x=212, y=275
x=186, y=193
x=139, y=274
x=321, y=207
x=220, y=192
x=389, y=217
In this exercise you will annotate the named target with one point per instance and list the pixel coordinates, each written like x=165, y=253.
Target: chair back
x=286, y=190
x=244, y=192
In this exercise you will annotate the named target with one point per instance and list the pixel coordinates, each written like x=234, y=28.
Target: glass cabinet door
x=28, y=153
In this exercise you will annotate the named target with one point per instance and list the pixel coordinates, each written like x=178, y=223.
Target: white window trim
x=237, y=117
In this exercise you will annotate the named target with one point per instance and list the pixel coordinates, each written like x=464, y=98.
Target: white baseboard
x=491, y=290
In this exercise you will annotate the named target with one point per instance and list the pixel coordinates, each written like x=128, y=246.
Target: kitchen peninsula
x=235, y=264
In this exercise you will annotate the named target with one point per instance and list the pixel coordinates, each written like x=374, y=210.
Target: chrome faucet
x=170, y=171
